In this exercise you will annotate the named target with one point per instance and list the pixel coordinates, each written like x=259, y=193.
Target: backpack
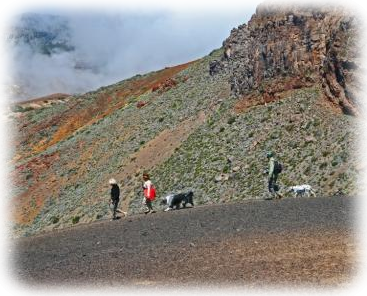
x=278, y=168
x=150, y=193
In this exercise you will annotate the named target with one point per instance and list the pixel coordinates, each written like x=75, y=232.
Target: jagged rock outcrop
x=345, y=67
x=285, y=47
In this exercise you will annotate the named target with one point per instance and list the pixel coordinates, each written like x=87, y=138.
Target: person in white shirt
x=149, y=193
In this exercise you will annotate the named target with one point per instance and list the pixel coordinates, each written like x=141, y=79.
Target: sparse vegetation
x=82, y=162
x=75, y=219
x=231, y=120
x=55, y=219
x=16, y=108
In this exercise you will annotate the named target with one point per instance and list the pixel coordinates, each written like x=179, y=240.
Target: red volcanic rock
x=156, y=87
x=170, y=82
x=165, y=85
x=307, y=44
x=141, y=104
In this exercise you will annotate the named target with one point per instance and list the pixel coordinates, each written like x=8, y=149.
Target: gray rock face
x=289, y=47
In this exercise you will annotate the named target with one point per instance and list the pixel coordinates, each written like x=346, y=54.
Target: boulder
x=236, y=169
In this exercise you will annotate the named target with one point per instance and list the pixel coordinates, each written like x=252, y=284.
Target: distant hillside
x=183, y=124
x=44, y=34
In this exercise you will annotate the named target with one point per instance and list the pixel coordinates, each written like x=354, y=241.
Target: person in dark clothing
x=273, y=177
x=115, y=197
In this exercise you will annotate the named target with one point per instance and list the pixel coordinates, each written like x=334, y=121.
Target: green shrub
x=28, y=109
x=75, y=220
x=16, y=108
x=316, y=122
x=344, y=156
x=307, y=125
x=334, y=163
x=289, y=128
x=231, y=120
x=325, y=153
x=307, y=170
x=55, y=219
x=226, y=169
x=323, y=165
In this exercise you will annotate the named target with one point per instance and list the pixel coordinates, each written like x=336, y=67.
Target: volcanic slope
x=67, y=152
x=190, y=129
x=289, y=247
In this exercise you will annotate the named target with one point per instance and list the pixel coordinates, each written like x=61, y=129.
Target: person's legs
x=271, y=188
x=146, y=202
x=149, y=205
x=276, y=187
x=115, y=204
x=113, y=208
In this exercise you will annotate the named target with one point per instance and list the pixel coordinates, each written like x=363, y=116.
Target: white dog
x=301, y=190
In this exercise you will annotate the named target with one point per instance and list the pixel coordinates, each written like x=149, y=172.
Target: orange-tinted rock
x=140, y=104
x=165, y=85
x=308, y=44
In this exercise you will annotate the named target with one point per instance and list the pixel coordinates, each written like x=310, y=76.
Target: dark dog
x=174, y=201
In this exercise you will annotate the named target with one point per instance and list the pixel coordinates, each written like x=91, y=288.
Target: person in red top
x=149, y=193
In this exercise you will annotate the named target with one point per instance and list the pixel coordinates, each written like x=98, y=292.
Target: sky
x=9, y=8
x=112, y=45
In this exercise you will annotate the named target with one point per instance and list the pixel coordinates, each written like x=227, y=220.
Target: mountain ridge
x=182, y=124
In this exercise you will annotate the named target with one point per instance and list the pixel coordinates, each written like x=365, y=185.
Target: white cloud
x=123, y=38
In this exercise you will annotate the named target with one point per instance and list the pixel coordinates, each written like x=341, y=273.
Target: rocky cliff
x=288, y=47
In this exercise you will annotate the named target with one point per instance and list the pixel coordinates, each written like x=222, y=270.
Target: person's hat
x=269, y=154
x=112, y=181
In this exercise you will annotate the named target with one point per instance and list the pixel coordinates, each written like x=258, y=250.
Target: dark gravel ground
x=308, y=241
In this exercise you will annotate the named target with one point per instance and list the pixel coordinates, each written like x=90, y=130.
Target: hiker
x=149, y=193
x=274, y=170
x=115, y=197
